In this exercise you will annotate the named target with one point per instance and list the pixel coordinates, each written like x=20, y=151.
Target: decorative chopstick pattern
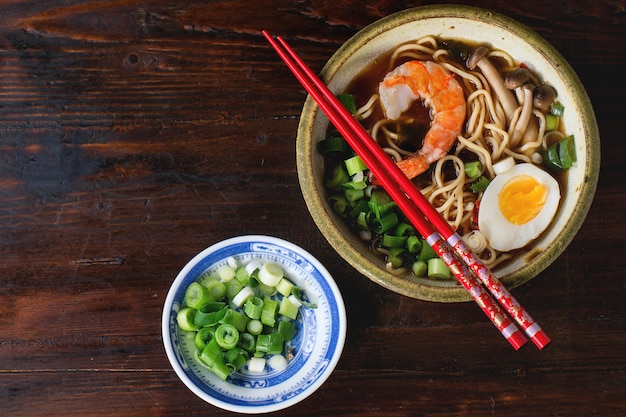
x=469, y=270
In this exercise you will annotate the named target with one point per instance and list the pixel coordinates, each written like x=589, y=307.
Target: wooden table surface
x=133, y=134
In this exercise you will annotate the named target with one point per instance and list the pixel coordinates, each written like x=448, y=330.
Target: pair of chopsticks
x=466, y=266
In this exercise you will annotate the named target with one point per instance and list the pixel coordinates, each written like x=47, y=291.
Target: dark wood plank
x=133, y=134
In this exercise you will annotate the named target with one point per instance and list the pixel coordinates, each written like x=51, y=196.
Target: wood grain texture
x=133, y=134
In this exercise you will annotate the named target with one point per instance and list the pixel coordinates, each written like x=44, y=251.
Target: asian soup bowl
x=478, y=26
x=312, y=353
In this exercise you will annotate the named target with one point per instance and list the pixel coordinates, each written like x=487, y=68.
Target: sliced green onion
x=473, y=169
x=269, y=343
x=210, y=314
x=255, y=327
x=227, y=336
x=480, y=185
x=268, y=314
x=235, y=358
x=380, y=197
x=232, y=262
x=267, y=290
x=270, y=274
x=385, y=223
x=382, y=209
x=287, y=329
x=211, y=356
x=185, y=319
x=419, y=269
x=252, y=267
x=360, y=207
x=197, y=295
x=414, y=244
x=551, y=158
x=211, y=353
x=349, y=101
x=336, y=177
x=404, y=229
x=256, y=365
x=295, y=300
x=298, y=294
x=226, y=273
x=241, y=275
x=233, y=287
x=253, y=307
x=331, y=144
x=392, y=241
x=560, y=155
x=339, y=203
x=242, y=296
x=352, y=194
x=216, y=289
x=437, y=268
x=426, y=253
x=362, y=221
x=287, y=308
x=235, y=318
x=552, y=122
x=247, y=341
x=277, y=362
x=557, y=109
x=203, y=336
x=567, y=152
x=355, y=185
x=396, y=257
x=284, y=287
x=354, y=165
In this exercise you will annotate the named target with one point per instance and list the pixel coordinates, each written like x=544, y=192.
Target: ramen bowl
x=313, y=352
x=476, y=26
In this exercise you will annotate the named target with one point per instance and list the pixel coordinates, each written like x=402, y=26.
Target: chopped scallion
x=354, y=164
x=331, y=144
x=197, y=295
x=185, y=319
x=288, y=309
x=557, y=109
x=270, y=274
x=473, y=169
x=253, y=307
x=268, y=314
x=349, y=101
x=227, y=336
x=437, y=268
x=480, y=185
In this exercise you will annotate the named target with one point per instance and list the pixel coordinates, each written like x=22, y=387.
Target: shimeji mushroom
x=479, y=59
x=526, y=127
x=515, y=79
x=543, y=97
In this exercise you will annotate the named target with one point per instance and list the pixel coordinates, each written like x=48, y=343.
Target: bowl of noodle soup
x=437, y=34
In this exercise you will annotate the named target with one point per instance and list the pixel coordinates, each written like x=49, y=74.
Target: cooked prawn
x=441, y=92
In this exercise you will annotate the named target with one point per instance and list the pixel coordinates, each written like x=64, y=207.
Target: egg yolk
x=521, y=199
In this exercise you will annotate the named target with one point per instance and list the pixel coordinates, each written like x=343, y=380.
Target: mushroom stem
x=505, y=96
x=523, y=123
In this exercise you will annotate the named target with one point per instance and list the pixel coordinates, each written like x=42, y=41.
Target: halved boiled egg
x=517, y=206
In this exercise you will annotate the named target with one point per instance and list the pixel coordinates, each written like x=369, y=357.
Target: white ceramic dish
x=317, y=345
x=474, y=25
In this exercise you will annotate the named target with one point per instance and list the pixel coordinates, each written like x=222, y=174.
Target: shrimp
x=441, y=92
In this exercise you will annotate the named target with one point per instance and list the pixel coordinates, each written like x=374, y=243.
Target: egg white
x=503, y=235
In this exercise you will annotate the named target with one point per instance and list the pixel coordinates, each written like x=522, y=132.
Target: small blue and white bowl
x=316, y=347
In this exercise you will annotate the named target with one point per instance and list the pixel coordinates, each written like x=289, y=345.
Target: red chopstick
x=450, y=247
